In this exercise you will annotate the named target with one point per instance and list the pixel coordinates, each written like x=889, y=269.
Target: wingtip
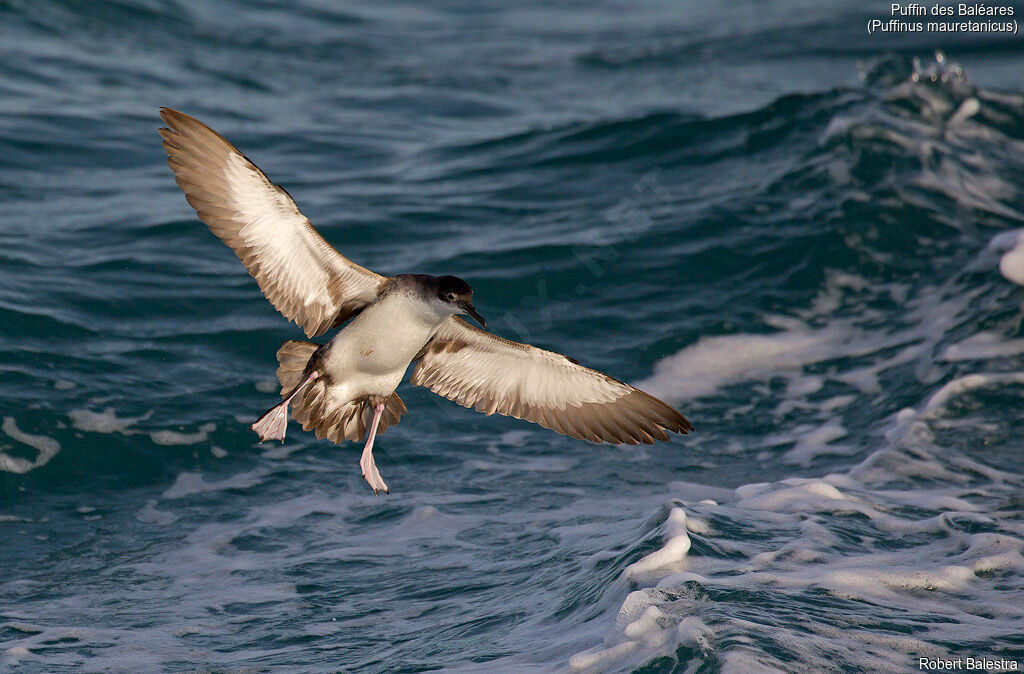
x=682, y=425
x=168, y=114
x=174, y=121
x=179, y=121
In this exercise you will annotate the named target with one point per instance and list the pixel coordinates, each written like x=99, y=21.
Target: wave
x=823, y=270
x=916, y=551
x=902, y=368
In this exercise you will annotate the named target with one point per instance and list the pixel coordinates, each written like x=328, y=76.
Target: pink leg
x=366, y=462
x=272, y=425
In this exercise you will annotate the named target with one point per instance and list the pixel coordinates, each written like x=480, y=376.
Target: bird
x=346, y=386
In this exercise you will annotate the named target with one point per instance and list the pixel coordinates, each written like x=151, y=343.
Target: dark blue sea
x=807, y=238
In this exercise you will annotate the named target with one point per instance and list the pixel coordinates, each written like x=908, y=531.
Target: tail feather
x=293, y=357
x=318, y=411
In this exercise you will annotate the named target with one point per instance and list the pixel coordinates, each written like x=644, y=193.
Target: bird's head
x=457, y=294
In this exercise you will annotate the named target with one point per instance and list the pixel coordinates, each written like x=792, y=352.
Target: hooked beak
x=471, y=310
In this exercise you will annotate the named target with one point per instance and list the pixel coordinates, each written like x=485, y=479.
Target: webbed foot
x=272, y=425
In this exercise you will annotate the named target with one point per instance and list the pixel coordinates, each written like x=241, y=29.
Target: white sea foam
x=106, y=421
x=17, y=653
x=267, y=386
x=983, y=346
x=914, y=526
x=166, y=437
x=941, y=554
x=672, y=555
x=830, y=365
x=150, y=513
x=1011, y=247
x=188, y=484
x=46, y=447
x=813, y=441
x=715, y=362
x=956, y=387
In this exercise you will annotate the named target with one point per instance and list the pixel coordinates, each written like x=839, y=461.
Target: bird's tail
x=318, y=406
x=293, y=357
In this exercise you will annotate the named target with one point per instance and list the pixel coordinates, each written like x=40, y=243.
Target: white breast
x=371, y=354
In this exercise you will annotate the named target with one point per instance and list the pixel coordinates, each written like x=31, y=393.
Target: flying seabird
x=346, y=386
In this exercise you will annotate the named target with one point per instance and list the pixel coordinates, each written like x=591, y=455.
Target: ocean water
x=809, y=239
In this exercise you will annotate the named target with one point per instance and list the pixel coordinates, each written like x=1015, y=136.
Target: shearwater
x=346, y=386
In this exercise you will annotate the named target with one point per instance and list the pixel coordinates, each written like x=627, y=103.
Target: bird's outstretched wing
x=494, y=375
x=300, y=273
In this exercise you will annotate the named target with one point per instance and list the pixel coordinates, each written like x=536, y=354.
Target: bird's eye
x=451, y=296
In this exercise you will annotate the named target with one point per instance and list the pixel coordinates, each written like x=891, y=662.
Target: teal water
x=803, y=236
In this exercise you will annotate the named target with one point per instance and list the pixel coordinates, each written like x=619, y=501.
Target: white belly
x=371, y=354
